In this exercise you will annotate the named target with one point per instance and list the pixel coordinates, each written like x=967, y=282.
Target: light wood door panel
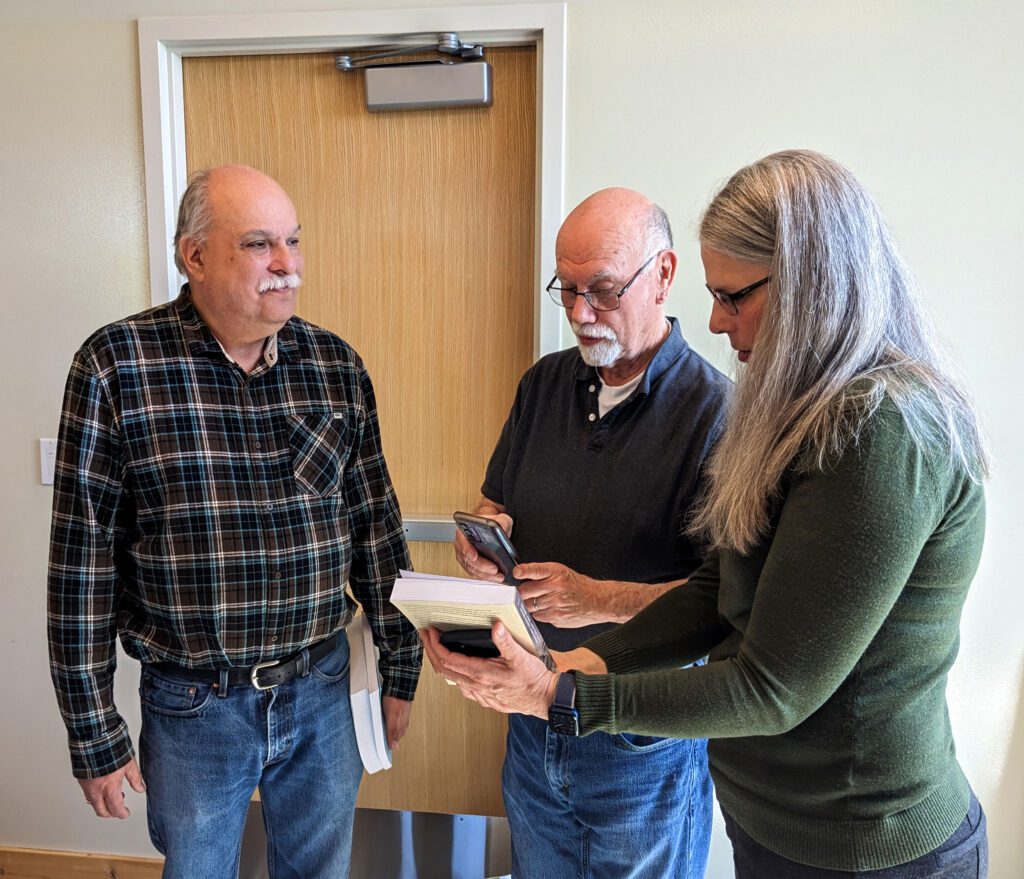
x=418, y=231
x=450, y=760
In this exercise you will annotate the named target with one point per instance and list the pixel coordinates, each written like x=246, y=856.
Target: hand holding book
x=516, y=682
x=446, y=603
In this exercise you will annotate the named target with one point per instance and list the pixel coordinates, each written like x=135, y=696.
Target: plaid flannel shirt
x=213, y=518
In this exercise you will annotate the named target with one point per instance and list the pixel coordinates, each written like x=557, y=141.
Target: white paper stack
x=364, y=692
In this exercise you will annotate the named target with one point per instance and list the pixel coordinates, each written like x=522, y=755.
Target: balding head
x=196, y=211
x=238, y=243
x=616, y=247
x=616, y=219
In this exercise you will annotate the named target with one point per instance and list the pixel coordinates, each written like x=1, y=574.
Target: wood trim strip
x=28, y=863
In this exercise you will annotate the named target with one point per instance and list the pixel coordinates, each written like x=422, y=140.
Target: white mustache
x=593, y=331
x=279, y=282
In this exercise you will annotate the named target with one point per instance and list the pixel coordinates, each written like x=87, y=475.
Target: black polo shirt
x=608, y=496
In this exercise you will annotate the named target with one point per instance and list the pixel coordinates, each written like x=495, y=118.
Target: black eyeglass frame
x=555, y=291
x=729, y=301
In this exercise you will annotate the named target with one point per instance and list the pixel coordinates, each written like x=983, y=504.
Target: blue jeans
x=203, y=753
x=963, y=856
x=605, y=806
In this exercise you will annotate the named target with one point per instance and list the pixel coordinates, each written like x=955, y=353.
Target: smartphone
x=488, y=539
x=471, y=642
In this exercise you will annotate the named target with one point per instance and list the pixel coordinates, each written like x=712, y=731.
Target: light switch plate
x=47, y=458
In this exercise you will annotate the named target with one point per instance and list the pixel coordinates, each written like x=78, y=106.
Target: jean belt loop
x=222, y=684
x=302, y=664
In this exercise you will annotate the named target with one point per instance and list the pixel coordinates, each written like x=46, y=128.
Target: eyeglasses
x=728, y=300
x=603, y=297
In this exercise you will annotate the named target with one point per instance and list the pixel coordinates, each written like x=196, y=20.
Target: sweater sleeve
x=678, y=628
x=847, y=539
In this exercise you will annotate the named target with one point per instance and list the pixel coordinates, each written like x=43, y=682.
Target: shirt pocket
x=320, y=444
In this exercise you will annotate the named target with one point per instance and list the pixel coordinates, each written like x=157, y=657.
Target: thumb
x=531, y=571
x=506, y=644
x=134, y=776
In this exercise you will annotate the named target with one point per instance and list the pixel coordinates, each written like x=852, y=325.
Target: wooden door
x=418, y=231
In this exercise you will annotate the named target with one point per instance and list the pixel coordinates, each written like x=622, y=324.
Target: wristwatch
x=563, y=718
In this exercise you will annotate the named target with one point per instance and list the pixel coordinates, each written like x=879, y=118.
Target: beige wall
x=921, y=98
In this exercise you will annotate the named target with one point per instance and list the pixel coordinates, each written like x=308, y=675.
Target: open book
x=447, y=603
x=364, y=694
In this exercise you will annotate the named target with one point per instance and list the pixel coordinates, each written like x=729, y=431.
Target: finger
x=113, y=802
x=470, y=560
x=467, y=670
x=97, y=793
x=395, y=733
x=481, y=566
x=445, y=662
x=429, y=637
x=464, y=550
x=98, y=808
x=434, y=664
x=533, y=571
x=134, y=776
x=505, y=521
x=528, y=589
x=506, y=644
x=535, y=596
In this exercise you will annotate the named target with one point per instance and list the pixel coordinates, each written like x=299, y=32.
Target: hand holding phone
x=489, y=539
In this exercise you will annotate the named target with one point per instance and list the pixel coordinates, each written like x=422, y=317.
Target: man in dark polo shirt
x=593, y=476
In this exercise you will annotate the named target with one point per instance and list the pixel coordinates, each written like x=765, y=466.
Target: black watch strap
x=563, y=718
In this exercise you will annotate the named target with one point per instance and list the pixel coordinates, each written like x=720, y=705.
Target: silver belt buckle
x=254, y=671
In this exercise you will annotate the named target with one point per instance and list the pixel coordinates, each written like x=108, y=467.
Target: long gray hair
x=842, y=328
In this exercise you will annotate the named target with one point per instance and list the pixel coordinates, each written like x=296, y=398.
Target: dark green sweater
x=829, y=646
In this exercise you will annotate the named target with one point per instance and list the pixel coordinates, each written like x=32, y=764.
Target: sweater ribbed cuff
x=595, y=701
x=618, y=657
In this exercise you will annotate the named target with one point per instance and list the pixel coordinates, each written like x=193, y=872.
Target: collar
x=200, y=339
x=671, y=349
x=269, y=355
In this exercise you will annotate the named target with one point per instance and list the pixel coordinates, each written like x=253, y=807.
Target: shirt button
x=257, y=445
x=592, y=417
x=270, y=506
x=593, y=388
x=277, y=575
x=273, y=639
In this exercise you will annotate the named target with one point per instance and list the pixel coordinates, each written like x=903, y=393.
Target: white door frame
x=163, y=42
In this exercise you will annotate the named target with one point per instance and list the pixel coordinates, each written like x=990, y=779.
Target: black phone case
x=485, y=540
x=470, y=642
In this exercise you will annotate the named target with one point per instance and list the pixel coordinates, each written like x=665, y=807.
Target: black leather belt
x=263, y=675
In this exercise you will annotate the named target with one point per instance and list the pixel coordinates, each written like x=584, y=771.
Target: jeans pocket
x=173, y=697
x=319, y=444
x=334, y=666
x=642, y=744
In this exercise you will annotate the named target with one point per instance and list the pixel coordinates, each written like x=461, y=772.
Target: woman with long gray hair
x=845, y=514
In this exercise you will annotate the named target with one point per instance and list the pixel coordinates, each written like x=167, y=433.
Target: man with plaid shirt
x=219, y=481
